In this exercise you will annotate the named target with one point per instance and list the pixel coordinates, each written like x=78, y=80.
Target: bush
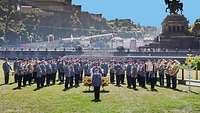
x=196, y=62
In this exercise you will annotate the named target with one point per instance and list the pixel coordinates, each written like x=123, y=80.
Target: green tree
x=15, y=24
x=196, y=28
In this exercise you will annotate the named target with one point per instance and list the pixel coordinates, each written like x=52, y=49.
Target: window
x=174, y=28
x=178, y=28
x=182, y=28
x=169, y=29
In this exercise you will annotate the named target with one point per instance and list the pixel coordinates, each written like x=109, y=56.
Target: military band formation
x=72, y=71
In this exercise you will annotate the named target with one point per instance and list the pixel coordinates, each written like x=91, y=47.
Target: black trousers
x=48, y=78
x=53, y=78
x=24, y=78
x=142, y=80
x=81, y=76
x=174, y=81
x=19, y=81
x=29, y=78
x=153, y=81
x=61, y=77
x=139, y=80
x=77, y=78
x=68, y=81
x=42, y=80
x=6, y=75
x=133, y=82
x=97, y=92
x=128, y=80
x=148, y=78
x=71, y=82
x=122, y=78
x=35, y=77
x=112, y=78
x=168, y=80
x=15, y=78
x=39, y=82
x=118, y=78
x=161, y=79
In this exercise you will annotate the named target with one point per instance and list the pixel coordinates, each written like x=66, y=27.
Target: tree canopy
x=14, y=23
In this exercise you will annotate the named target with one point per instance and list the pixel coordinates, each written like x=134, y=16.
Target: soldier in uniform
x=6, y=68
x=39, y=74
x=161, y=72
x=112, y=72
x=25, y=72
x=71, y=74
x=96, y=83
x=118, y=69
x=141, y=74
x=153, y=76
x=105, y=68
x=54, y=71
x=134, y=73
x=44, y=72
x=86, y=69
x=129, y=73
x=34, y=72
x=49, y=72
x=15, y=66
x=30, y=72
x=81, y=70
x=77, y=71
x=19, y=71
x=67, y=75
x=61, y=71
x=174, y=71
x=148, y=70
x=122, y=76
x=167, y=73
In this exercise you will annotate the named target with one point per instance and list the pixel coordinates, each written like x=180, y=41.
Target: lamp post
x=189, y=63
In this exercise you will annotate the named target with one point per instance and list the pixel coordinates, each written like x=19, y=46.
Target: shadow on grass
x=178, y=90
x=96, y=101
x=194, y=92
x=36, y=89
x=12, y=83
x=67, y=89
x=2, y=84
x=7, y=84
x=91, y=91
x=17, y=88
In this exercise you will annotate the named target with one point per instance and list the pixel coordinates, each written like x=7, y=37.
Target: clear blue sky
x=145, y=12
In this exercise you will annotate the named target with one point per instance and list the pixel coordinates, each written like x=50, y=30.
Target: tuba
x=173, y=70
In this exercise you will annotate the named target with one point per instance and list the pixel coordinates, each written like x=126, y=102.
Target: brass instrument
x=174, y=70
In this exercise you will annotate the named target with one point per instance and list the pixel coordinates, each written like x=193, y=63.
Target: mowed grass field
x=114, y=100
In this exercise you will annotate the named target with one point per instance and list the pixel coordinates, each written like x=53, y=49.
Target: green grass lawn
x=118, y=100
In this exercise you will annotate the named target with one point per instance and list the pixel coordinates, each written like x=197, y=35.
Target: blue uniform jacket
x=97, y=79
x=6, y=67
